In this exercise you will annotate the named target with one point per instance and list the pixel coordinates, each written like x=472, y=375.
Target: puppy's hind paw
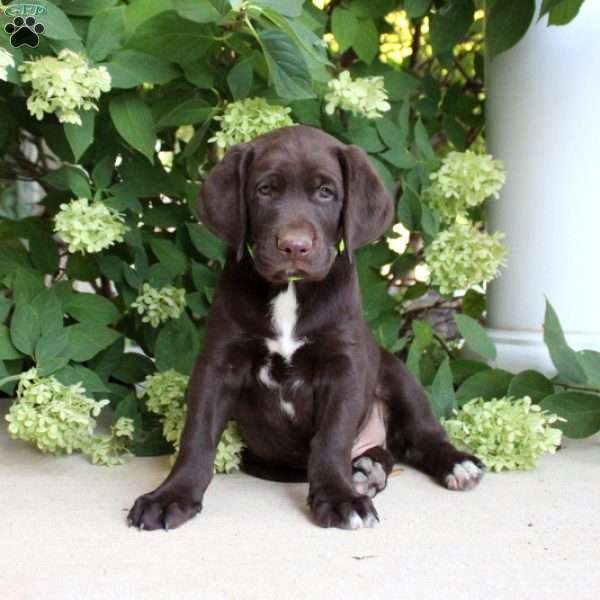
x=368, y=476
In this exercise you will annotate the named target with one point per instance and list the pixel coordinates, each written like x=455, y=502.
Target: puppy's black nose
x=295, y=245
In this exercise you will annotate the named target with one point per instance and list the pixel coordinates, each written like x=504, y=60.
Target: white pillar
x=543, y=121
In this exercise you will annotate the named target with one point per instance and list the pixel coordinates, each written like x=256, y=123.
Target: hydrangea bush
x=107, y=131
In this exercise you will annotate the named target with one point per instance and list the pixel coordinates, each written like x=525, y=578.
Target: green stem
x=581, y=388
x=9, y=379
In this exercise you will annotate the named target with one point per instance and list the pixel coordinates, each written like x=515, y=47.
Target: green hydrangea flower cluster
x=6, y=61
x=165, y=396
x=364, y=96
x=463, y=256
x=60, y=419
x=89, y=227
x=110, y=450
x=505, y=433
x=243, y=120
x=464, y=180
x=157, y=306
x=62, y=85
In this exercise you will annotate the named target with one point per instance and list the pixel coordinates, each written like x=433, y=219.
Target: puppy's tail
x=283, y=474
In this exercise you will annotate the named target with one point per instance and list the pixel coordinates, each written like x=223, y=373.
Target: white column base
x=522, y=350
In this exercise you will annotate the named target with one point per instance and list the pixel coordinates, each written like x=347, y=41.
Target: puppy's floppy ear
x=222, y=203
x=368, y=206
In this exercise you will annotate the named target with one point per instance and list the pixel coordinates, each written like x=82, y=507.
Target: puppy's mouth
x=278, y=273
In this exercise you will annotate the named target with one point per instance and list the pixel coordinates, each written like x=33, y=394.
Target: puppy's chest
x=283, y=377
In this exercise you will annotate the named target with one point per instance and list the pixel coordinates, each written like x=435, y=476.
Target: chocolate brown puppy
x=287, y=353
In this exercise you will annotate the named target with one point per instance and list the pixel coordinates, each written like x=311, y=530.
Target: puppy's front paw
x=465, y=475
x=162, y=510
x=344, y=512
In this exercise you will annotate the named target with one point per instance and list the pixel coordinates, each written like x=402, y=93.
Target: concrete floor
x=520, y=536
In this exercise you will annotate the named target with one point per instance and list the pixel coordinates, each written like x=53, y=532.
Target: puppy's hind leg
x=414, y=435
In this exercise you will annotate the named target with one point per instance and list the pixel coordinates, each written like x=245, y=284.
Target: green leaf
x=206, y=243
x=363, y=133
x=129, y=68
x=69, y=177
x=57, y=25
x=488, y=384
x=288, y=8
x=287, y=68
x=78, y=374
x=49, y=310
x=239, y=79
x=188, y=112
x=366, y=45
x=103, y=170
x=430, y=222
x=563, y=357
x=105, y=33
x=51, y=351
x=531, y=383
x=423, y=143
x=7, y=349
x=83, y=267
x=199, y=73
x=507, y=22
x=582, y=412
x=92, y=308
x=564, y=12
x=548, y=5
x=590, y=363
x=450, y=24
x=108, y=360
x=400, y=84
x=416, y=8
x=473, y=304
x=423, y=337
x=409, y=209
x=87, y=8
x=5, y=306
x=202, y=276
x=133, y=120
x=476, y=337
x=368, y=8
x=81, y=136
x=50, y=366
x=87, y=339
x=170, y=255
x=200, y=12
x=442, y=397
x=344, y=26
x=462, y=369
x=25, y=329
x=133, y=368
x=169, y=34
x=27, y=285
x=177, y=346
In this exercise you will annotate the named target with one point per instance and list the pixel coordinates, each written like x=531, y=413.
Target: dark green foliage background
x=177, y=62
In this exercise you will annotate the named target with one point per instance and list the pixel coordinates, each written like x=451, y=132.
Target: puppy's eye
x=264, y=189
x=326, y=192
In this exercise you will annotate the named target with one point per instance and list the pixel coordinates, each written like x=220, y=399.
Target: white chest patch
x=284, y=315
